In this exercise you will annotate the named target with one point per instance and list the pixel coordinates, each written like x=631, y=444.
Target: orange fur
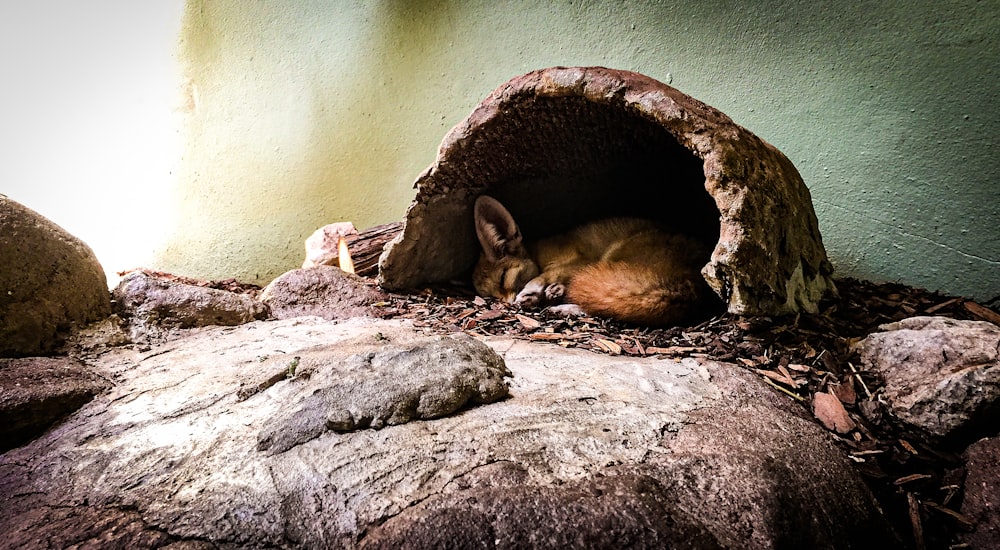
x=628, y=269
x=637, y=293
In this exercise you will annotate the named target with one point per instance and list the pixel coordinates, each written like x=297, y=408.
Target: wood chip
x=917, y=524
x=912, y=477
x=527, y=322
x=967, y=523
x=490, y=314
x=674, y=350
x=984, y=313
x=942, y=305
x=608, y=346
x=545, y=336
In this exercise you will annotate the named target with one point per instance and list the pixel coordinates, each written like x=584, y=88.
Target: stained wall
x=296, y=114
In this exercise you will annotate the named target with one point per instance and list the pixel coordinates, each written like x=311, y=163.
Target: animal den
x=563, y=146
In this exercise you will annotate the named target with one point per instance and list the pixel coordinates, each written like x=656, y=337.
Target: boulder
x=152, y=304
x=942, y=376
x=323, y=291
x=37, y=392
x=586, y=449
x=562, y=146
x=374, y=382
x=50, y=282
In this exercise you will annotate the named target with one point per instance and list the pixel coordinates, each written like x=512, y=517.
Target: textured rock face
x=50, y=281
x=380, y=384
x=323, y=291
x=942, y=376
x=151, y=304
x=36, y=392
x=587, y=449
x=562, y=146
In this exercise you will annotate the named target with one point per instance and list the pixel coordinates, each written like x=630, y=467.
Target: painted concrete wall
x=300, y=113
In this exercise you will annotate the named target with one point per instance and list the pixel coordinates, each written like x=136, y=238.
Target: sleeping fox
x=627, y=269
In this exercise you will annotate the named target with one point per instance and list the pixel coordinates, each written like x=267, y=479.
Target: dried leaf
x=831, y=413
x=845, y=391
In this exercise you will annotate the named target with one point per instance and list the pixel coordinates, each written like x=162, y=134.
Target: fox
x=626, y=269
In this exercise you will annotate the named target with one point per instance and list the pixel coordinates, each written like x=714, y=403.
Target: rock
x=730, y=479
x=586, y=447
x=561, y=146
x=981, y=503
x=321, y=246
x=942, y=376
x=323, y=291
x=375, y=383
x=50, y=282
x=37, y=392
x=627, y=510
x=151, y=304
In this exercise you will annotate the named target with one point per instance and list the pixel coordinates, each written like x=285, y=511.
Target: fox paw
x=531, y=296
x=555, y=292
x=567, y=310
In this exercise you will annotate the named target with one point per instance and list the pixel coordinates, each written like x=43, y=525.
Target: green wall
x=302, y=113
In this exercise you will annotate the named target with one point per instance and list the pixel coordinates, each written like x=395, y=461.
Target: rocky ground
x=599, y=433
x=917, y=479
x=813, y=360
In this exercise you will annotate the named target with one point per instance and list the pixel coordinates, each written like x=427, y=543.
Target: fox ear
x=496, y=229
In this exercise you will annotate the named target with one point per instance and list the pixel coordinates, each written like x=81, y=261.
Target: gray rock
x=739, y=477
x=36, y=392
x=323, y=291
x=942, y=376
x=373, y=383
x=981, y=502
x=696, y=453
x=561, y=146
x=50, y=282
x=151, y=304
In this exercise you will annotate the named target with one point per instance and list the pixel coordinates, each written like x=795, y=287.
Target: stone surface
x=585, y=448
x=323, y=291
x=36, y=392
x=562, y=146
x=981, y=502
x=376, y=382
x=50, y=281
x=150, y=305
x=942, y=376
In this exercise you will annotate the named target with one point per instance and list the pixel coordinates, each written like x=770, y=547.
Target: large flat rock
x=579, y=447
